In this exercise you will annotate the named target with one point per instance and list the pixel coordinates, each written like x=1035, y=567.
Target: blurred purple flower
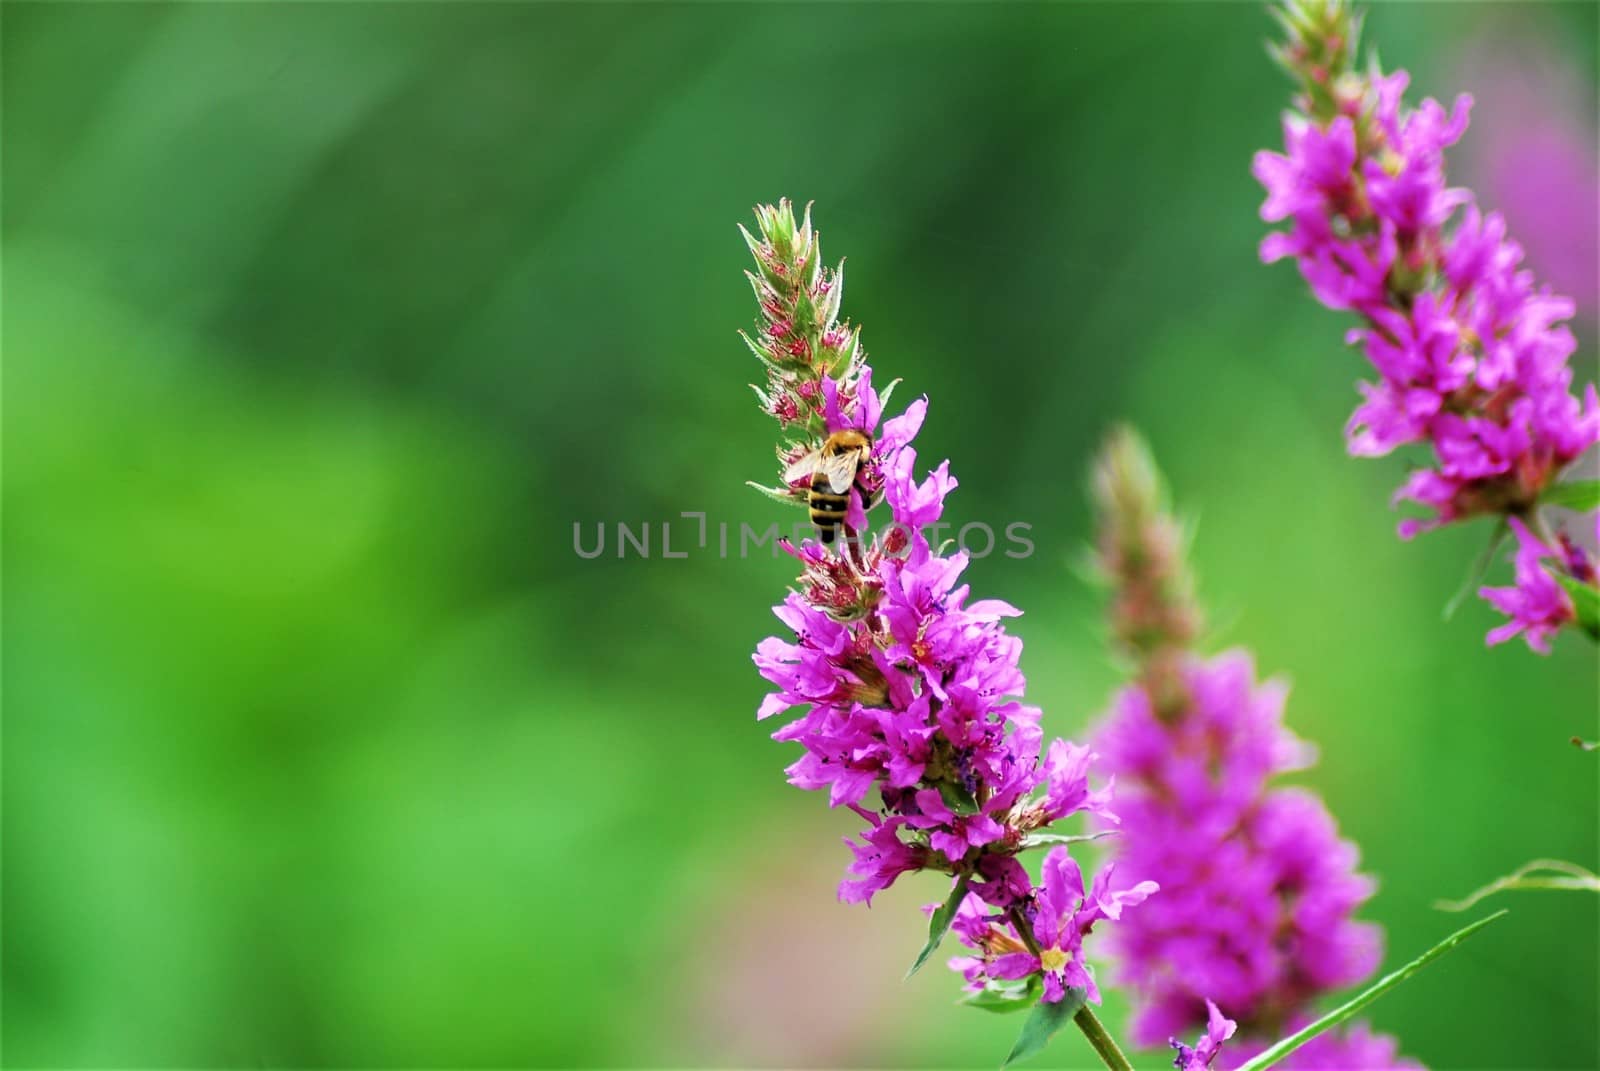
x=1533, y=150
x=1354, y=1048
x=1258, y=888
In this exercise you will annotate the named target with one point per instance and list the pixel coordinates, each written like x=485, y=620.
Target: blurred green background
x=323, y=325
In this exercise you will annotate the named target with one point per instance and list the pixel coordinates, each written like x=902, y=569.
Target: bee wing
x=803, y=468
x=840, y=469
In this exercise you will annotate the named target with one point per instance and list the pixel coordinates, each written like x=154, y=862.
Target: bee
x=833, y=468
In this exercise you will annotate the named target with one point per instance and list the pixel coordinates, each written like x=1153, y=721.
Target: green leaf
x=1480, y=566
x=887, y=392
x=1581, y=495
x=1043, y=1024
x=1586, y=602
x=1559, y=874
x=1044, y=840
x=956, y=798
x=1003, y=997
x=1365, y=997
x=939, y=922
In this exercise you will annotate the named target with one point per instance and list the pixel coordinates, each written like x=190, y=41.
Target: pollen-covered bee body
x=832, y=469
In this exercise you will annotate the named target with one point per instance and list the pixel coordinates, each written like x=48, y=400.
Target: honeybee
x=833, y=468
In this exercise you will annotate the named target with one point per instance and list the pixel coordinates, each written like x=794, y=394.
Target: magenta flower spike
x=1470, y=355
x=905, y=692
x=1258, y=891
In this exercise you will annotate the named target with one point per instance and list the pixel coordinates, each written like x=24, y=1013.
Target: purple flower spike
x=903, y=693
x=1471, y=354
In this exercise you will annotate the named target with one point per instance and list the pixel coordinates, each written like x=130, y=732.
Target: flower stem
x=1104, y=1045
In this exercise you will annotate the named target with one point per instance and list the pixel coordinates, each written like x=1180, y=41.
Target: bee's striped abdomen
x=827, y=508
x=839, y=462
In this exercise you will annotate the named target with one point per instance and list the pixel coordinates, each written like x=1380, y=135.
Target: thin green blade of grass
x=1562, y=875
x=1367, y=996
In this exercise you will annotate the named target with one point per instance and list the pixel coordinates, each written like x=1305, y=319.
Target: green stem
x=1104, y=1045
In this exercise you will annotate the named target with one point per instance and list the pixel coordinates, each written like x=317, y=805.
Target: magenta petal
x=1014, y=965
x=900, y=430
x=1053, y=988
